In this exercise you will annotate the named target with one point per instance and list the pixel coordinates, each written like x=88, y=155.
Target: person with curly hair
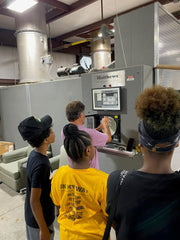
x=80, y=190
x=148, y=205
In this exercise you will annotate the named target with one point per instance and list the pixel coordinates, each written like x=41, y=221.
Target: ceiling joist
x=57, y=4
x=57, y=13
x=96, y=25
x=86, y=29
x=59, y=10
x=7, y=12
x=3, y=3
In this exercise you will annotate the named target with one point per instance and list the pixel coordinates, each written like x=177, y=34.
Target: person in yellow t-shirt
x=80, y=191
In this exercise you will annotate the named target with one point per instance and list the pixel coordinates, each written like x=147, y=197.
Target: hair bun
x=70, y=130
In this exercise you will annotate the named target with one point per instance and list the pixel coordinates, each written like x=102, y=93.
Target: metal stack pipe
x=32, y=45
x=100, y=52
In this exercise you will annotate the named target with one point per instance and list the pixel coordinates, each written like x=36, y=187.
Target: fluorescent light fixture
x=21, y=5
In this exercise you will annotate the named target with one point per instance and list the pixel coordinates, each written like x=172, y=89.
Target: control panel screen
x=106, y=98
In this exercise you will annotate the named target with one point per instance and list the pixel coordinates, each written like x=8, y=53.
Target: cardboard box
x=6, y=147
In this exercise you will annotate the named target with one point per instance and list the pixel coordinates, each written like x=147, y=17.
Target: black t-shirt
x=148, y=206
x=38, y=176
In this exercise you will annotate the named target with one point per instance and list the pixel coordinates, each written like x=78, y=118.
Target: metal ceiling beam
x=90, y=33
x=81, y=3
x=85, y=29
x=7, y=12
x=53, y=15
x=60, y=7
x=96, y=25
x=5, y=82
x=4, y=10
x=163, y=2
x=58, y=41
x=57, y=13
x=7, y=38
x=57, y=4
x=177, y=14
x=77, y=50
x=3, y=3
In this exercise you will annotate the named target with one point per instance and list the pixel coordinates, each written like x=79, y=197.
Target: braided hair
x=75, y=142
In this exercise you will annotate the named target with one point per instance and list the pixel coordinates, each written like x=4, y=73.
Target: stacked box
x=6, y=147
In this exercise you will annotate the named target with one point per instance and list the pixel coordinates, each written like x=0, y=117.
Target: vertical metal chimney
x=32, y=45
x=101, y=52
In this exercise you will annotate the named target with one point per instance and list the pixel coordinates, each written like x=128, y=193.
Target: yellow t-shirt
x=81, y=195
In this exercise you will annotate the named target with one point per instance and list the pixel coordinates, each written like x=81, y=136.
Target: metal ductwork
x=101, y=52
x=32, y=45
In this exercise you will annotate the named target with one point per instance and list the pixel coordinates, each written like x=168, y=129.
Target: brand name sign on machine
x=108, y=79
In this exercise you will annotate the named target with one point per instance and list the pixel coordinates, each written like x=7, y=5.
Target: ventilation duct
x=32, y=45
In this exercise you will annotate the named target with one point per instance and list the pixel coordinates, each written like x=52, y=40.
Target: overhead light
x=21, y=5
x=100, y=34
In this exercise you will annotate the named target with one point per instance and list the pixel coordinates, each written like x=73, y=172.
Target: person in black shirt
x=39, y=208
x=148, y=204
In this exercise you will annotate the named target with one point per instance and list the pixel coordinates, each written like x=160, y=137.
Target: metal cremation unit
x=144, y=38
x=113, y=93
x=39, y=99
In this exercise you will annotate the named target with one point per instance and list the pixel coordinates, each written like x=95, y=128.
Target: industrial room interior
x=53, y=54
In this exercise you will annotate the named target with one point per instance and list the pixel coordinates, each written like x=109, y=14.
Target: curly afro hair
x=159, y=108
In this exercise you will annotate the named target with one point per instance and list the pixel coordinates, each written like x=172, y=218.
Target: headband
x=152, y=144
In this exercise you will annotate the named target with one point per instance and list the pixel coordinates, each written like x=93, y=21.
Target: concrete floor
x=12, y=224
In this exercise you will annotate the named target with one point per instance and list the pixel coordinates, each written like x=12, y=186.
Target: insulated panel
x=37, y=99
x=134, y=37
x=169, y=49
